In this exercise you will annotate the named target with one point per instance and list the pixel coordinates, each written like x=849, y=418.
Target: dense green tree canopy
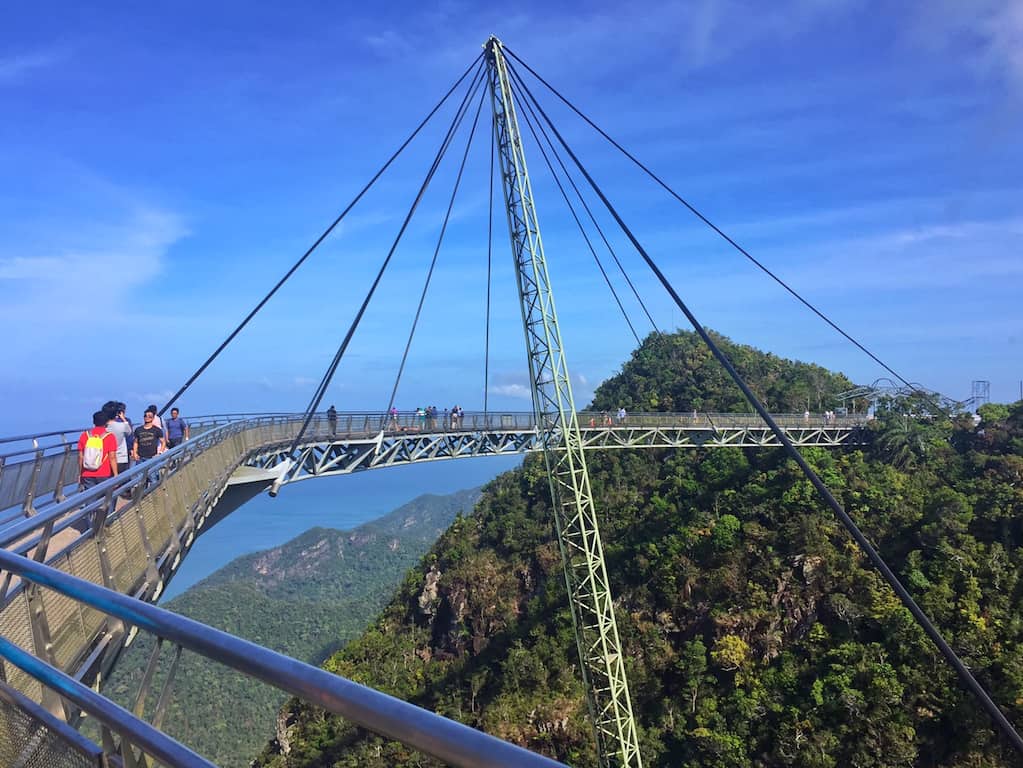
x=755, y=632
x=677, y=372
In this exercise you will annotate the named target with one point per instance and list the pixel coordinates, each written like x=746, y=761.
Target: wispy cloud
x=388, y=43
x=148, y=398
x=15, y=68
x=120, y=256
x=519, y=391
x=908, y=260
x=45, y=277
x=985, y=36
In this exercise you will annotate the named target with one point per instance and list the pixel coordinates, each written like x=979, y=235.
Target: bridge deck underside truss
x=335, y=455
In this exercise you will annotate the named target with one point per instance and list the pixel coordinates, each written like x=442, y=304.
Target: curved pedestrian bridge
x=130, y=533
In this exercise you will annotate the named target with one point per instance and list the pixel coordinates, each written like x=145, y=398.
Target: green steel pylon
x=600, y=651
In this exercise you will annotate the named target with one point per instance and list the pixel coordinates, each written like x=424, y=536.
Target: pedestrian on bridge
x=332, y=420
x=97, y=453
x=157, y=421
x=177, y=429
x=119, y=426
x=149, y=439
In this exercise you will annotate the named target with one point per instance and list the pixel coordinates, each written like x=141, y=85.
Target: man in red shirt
x=105, y=461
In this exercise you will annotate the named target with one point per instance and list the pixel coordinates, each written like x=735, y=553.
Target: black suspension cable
x=436, y=252
x=329, y=373
x=711, y=224
x=965, y=676
x=586, y=207
x=490, y=253
x=325, y=382
x=320, y=239
x=578, y=223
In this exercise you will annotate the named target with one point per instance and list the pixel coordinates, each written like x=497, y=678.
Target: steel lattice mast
x=600, y=650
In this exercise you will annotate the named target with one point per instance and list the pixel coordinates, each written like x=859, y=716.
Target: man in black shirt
x=149, y=439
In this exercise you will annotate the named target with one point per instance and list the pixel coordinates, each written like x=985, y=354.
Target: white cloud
x=54, y=264
x=150, y=398
x=519, y=391
x=122, y=255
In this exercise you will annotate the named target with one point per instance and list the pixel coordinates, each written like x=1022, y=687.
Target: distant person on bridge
x=148, y=438
x=622, y=415
x=332, y=419
x=97, y=453
x=177, y=429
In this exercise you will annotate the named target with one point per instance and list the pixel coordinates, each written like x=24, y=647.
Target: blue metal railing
x=39, y=470
x=133, y=731
x=454, y=743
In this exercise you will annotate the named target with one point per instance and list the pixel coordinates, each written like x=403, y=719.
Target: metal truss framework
x=589, y=589
x=323, y=456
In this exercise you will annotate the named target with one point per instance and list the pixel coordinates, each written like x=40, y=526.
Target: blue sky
x=161, y=169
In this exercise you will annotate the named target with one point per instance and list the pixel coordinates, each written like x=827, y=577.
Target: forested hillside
x=756, y=633
x=305, y=598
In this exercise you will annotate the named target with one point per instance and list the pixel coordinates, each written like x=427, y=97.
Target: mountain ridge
x=304, y=598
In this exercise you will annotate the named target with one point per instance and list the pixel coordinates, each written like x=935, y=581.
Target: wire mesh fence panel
x=16, y=627
x=31, y=738
x=67, y=632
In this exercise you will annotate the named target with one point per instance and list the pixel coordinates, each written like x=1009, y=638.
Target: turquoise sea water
x=332, y=502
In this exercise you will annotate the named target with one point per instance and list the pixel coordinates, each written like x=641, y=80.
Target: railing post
x=41, y=642
x=58, y=490
x=30, y=493
x=44, y=543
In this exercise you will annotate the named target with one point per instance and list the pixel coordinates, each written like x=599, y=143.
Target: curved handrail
x=70, y=436
x=45, y=475
x=132, y=481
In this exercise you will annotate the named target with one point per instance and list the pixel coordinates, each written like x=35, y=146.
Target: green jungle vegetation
x=305, y=599
x=756, y=633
